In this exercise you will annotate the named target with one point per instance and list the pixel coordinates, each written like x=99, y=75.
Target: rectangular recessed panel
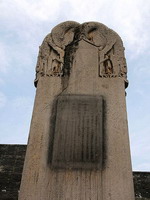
x=78, y=132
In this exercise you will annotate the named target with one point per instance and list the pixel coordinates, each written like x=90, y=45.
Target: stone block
x=78, y=134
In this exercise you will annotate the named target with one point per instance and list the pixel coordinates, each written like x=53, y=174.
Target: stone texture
x=10, y=179
x=78, y=132
x=142, y=185
x=11, y=165
x=87, y=59
x=53, y=59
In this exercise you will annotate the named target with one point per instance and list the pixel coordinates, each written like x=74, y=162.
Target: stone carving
x=51, y=59
x=79, y=127
x=51, y=54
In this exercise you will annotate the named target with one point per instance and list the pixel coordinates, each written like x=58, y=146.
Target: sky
x=23, y=26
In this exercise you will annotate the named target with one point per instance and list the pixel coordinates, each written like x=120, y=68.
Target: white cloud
x=129, y=18
x=40, y=10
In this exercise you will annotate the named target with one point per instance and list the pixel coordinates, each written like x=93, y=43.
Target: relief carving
x=50, y=59
x=52, y=52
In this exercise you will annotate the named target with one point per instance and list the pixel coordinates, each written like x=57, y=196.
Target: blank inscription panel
x=78, y=132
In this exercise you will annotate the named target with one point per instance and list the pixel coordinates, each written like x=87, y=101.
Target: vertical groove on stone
x=78, y=132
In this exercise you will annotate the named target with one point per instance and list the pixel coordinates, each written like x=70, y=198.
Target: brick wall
x=11, y=164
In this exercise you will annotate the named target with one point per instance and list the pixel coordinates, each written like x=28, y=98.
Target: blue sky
x=23, y=26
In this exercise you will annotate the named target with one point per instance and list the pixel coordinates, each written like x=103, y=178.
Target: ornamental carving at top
x=53, y=51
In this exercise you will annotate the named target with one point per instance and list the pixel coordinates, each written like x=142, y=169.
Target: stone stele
x=78, y=147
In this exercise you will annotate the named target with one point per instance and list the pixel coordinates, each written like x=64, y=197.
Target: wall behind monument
x=11, y=165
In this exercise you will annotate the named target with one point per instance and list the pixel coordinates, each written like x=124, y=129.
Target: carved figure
x=108, y=66
x=51, y=59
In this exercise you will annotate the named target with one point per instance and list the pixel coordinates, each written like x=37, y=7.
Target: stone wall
x=142, y=185
x=11, y=164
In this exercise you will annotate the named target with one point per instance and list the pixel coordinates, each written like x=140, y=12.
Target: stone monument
x=78, y=147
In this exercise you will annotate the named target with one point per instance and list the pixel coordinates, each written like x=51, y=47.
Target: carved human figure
x=108, y=66
x=52, y=52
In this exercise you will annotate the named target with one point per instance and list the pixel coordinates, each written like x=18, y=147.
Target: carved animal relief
x=52, y=59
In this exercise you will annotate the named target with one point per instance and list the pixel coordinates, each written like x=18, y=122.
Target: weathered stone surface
x=53, y=51
x=92, y=64
x=78, y=132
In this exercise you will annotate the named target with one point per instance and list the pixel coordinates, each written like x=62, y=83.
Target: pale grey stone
x=111, y=60
x=90, y=61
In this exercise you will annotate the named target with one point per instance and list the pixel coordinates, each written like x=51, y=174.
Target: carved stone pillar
x=78, y=146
